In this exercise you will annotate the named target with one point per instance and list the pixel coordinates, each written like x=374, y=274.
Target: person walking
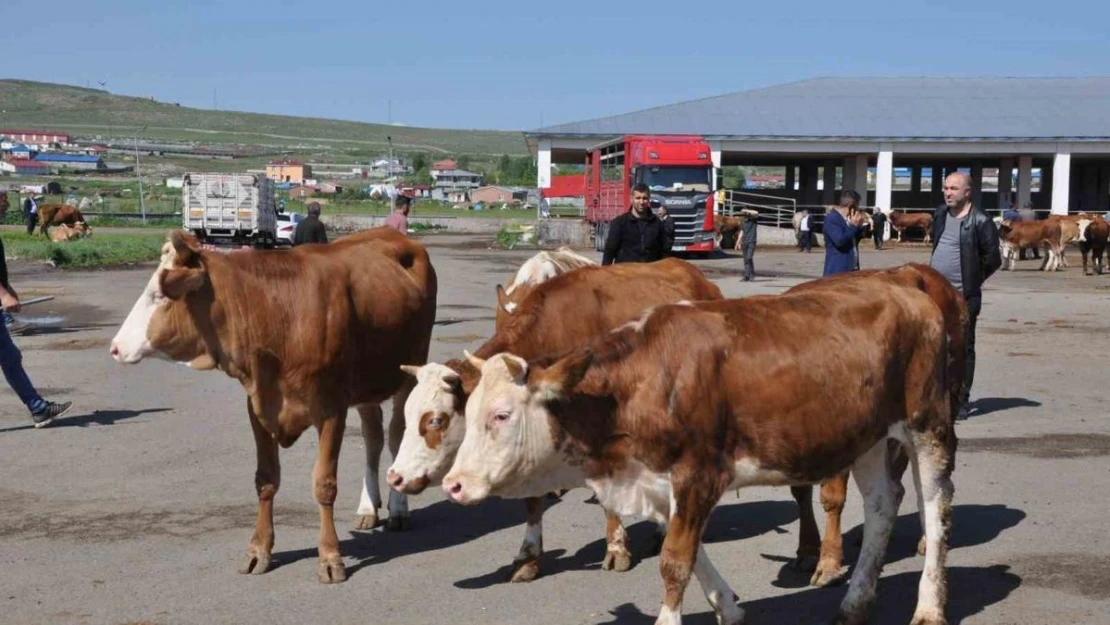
x=748, y=236
x=311, y=229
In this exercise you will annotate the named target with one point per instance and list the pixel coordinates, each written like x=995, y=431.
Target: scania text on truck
x=677, y=169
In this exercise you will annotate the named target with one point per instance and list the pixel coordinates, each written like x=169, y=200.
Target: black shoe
x=50, y=412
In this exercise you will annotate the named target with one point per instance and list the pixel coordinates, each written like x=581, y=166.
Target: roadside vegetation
x=100, y=250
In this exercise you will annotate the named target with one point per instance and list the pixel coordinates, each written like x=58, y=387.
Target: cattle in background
x=57, y=215
x=539, y=268
x=554, y=317
x=828, y=554
x=309, y=333
x=1015, y=235
x=901, y=221
x=663, y=416
x=1094, y=235
x=64, y=233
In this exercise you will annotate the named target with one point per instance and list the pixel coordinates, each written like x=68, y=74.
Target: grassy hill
x=91, y=113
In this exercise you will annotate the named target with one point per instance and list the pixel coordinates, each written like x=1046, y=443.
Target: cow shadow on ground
x=728, y=523
x=971, y=590
x=99, y=417
x=441, y=525
x=972, y=525
x=986, y=405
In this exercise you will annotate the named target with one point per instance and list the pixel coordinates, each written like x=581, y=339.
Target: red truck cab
x=678, y=171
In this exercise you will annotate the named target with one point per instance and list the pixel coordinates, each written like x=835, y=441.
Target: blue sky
x=511, y=65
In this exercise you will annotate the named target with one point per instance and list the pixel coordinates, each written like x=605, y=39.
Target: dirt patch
x=1080, y=574
x=460, y=338
x=70, y=345
x=1045, y=446
x=1003, y=331
x=1020, y=354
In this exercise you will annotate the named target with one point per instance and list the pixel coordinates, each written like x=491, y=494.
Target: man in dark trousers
x=637, y=236
x=966, y=251
x=748, y=241
x=311, y=229
x=31, y=212
x=842, y=225
x=11, y=360
x=878, y=227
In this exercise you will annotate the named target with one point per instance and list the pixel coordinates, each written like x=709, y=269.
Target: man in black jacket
x=311, y=229
x=637, y=236
x=966, y=251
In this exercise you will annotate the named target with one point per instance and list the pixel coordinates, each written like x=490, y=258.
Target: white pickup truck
x=230, y=209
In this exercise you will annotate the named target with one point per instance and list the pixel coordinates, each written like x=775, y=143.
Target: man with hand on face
x=843, y=224
x=637, y=236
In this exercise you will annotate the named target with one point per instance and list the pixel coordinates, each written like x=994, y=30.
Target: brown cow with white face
x=900, y=221
x=553, y=318
x=662, y=417
x=1015, y=235
x=309, y=333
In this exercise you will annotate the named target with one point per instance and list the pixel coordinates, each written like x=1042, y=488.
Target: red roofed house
x=36, y=138
x=24, y=166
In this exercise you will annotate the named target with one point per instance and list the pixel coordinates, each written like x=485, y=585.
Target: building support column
x=1025, y=181
x=915, y=179
x=1061, y=180
x=860, y=182
x=1088, y=191
x=715, y=156
x=828, y=194
x=809, y=184
x=1103, y=204
x=848, y=173
x=1005, y=182
x=884, y=178
x=543, y=164
x=789, y=180
x=977, y=183
x=936, y=190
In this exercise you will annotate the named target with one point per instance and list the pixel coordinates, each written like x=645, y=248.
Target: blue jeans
x=12, y=363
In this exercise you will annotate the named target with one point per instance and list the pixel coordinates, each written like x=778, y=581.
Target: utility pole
x=390, y=165
x=142, y=206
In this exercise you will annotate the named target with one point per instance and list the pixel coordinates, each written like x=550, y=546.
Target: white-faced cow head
x=509, y=448
x=159, y=324
x=434, y=428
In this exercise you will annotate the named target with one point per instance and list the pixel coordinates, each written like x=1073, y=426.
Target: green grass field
x=99, y=250
x=92, y=112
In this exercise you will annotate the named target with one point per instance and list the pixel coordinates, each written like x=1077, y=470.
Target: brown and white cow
x=65, y=233
x=58, y=215
x=308, y=332
x=900, y=221
x=539, y=268
x=1093, y=241
x=829, y=554
x=661, y=417
x=555, y=317
x=1072, y=228
x=1015, y=235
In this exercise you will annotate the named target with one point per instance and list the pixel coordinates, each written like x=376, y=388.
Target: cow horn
x=475, y=361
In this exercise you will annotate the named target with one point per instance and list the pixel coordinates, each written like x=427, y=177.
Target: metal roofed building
x=847, y=125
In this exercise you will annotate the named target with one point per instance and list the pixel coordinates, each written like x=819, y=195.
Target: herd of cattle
x=638, y=381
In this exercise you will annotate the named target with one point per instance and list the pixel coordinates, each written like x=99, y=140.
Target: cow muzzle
x=464, y=490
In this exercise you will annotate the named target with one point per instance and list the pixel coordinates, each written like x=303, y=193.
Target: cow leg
x=809, y=538
x=933, y=464
x=526, y=565
x=373, y=440
x=399, y=519
x=324, y=486
x=682, y=554
x=834, y=492
x=267, y=478
x=880, y=506
x=617, y=556
x=1085, y=250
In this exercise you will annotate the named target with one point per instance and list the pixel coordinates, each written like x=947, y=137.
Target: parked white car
x=286, y=226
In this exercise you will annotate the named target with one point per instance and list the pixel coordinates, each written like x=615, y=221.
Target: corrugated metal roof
x=880, y=108
x=67, y=158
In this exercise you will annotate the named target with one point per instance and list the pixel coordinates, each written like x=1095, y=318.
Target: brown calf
x=663, y=416
x=901, y=221
x=308, y=332
x=1093, y=242
x=57, y=215
x=1015, y=235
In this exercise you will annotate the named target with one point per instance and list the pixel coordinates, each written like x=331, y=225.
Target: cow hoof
x=398, y=524
x=524, y=571
x=367, y=522
x=827, y=574
x=256, y=563
x=804, y=564
x=929, y=619
x=616, y=561
x=331, y=571
x=921, y=546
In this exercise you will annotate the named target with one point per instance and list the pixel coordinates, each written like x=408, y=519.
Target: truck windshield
x=661, y=178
